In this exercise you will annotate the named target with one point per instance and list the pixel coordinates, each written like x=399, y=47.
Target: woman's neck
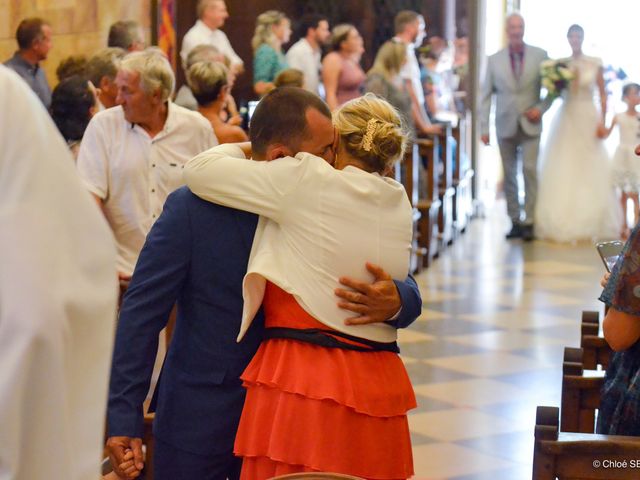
x=577, y=54
x=211, y=111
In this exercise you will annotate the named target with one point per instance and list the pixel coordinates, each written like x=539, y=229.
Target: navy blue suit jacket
x=196, y=255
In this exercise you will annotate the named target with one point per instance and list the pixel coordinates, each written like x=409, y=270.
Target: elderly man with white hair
x=131, y=156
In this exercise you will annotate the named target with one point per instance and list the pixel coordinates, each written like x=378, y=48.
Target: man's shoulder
x=197, y=207
x=300, y=47
x=537, y=50
x=111, y=119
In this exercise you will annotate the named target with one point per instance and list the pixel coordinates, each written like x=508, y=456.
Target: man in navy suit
x=196, y=255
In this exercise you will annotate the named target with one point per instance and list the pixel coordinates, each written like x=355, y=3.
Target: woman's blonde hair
x=339, y=34
x=206, y=80
x=264, y=32
x=289, y=77
x=389, y=59
x=371, y=130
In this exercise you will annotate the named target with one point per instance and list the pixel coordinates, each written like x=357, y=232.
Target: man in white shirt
x=58, y=292
x=410, y=30
x=211, y=17
x=305, y=55
x=131, y=156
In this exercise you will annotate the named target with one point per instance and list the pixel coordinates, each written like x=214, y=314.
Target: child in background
x=626, y=166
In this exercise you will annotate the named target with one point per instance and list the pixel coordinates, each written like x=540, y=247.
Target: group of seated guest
x=132, y=145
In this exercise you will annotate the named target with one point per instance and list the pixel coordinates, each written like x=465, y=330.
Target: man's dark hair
x=575, y=28
x=280, y=117
x=70, y=66
x=123, y=33
x=71, y=102
x=29, y=30
x=310, y=20
x=404, y=18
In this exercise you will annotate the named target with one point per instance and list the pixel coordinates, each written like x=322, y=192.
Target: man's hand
x=120, y=450
x=373, y=302
x=533, y=115
x=485, y=139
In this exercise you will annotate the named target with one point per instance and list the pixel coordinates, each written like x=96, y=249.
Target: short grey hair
x=155, y=72
x=104, y=63
x=203, y=53
x=123, y=34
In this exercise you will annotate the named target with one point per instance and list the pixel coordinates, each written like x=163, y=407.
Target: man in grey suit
x=513, y=76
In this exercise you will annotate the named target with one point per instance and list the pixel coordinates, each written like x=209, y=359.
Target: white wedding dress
x=576, y=198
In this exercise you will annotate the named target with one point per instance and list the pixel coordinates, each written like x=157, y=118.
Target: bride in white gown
x=576, y=198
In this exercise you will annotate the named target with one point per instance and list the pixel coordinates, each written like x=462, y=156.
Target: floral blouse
x=267, y=63
x=619, y=412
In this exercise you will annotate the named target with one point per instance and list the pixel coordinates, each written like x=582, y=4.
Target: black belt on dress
x=327, y=338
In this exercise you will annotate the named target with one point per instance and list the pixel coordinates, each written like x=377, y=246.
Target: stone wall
x=79, y=26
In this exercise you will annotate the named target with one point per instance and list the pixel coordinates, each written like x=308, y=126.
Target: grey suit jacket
x=513, y=96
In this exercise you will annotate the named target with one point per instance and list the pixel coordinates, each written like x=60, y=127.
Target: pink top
x=350, y=81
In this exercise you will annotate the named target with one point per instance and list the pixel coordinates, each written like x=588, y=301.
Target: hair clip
x=368, y=135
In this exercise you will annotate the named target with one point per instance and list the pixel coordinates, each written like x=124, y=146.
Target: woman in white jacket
x=321, y=395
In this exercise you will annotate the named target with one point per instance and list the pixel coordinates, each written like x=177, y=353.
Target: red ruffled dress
x=313, y=408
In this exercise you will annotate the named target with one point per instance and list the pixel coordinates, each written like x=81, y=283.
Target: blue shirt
x=33, y=75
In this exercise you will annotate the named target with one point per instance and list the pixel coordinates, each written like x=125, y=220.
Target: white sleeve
x=93, y=160
x=223, y=175
x=228, y=50
x=187, y=46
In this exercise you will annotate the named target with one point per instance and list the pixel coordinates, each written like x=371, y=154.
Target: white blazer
x=317, y=224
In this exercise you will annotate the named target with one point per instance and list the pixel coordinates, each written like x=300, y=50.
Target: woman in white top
x=319, y=223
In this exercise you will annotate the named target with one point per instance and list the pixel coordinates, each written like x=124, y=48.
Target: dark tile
x=549, y=354
x=426, y=404
x=516, y=447
x=437, y=348
x=421, y=373
x=417, y=439
x=547, y=379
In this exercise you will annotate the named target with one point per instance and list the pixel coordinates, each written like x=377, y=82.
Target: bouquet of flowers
x=556, y=76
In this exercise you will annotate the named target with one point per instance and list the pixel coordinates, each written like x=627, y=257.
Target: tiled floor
x=488, y=349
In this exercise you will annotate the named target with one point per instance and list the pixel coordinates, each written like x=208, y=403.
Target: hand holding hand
x=601, y=131
x=123, y=451
x=485, y=139
x=374, y=302
x=533, y=115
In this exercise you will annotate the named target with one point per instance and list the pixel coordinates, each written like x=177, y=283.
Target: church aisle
x=488, y=349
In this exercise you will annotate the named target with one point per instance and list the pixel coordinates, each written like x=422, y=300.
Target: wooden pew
x=580, y=393
x=597, y=351
x=565, y=455
x=429, y=203
x=407, y=173
x=446, y=190
x=462, y=175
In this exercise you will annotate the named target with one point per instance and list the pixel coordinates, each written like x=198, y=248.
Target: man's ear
x=277, y=150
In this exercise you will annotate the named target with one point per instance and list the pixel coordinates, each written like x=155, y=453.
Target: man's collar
x=168, y=123
x=518, y=49
x=21, y=60
x=204, y=26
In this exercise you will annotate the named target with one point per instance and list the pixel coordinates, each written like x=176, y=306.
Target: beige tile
x=471, y=393
x=432, y=295
x=551, y=267
x=428, y=314
x=517, y=319
x=502, y=341
x=490, y=364
x=460, y=424
x=444, y=460
x=409, y=360
x=407, y=335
